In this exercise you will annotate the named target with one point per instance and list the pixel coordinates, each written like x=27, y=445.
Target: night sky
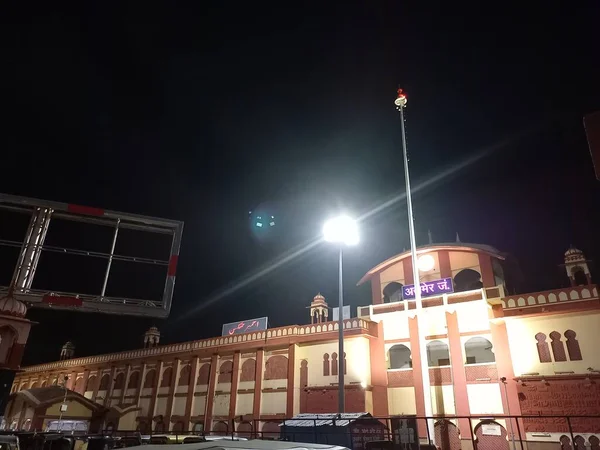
x=203, y=111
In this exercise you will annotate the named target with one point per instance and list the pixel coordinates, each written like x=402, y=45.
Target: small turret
x=151, y=337
x=319, y=311
x=67, y=351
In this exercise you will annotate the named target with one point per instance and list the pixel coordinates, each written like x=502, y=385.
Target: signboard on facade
x=336, y=313
x=364, y=431
x=244, y=326
x=491, y=429
x=405, y=432
x=429, y=288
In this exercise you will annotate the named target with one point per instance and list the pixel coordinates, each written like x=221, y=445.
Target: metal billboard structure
x=33, y=246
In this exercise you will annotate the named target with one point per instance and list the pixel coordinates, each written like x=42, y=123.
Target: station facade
x=489, y=353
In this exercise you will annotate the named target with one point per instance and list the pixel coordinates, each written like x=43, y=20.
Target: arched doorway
x=446, y=435
x=270, y=430
x=220, y=428
x=244, y=430
x=491, y=435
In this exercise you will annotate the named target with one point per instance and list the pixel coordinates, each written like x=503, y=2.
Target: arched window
x=203, y=374
x=573, y=346
x=479, y=350
x=178, y=427
x=134, y=380
x=276, y=368
x=594, y=442
x=467, y=280
x=326, y=364
x=79, y=385
x=198, y=428
x=248, y=370
x=120, y=381
x=226, y=372
x=34, y=384
x=565, y=443
x=166, y=377
x=91, y=383
x=335, y=365
x=149, y=380
x=104, y=382
x=184, y=376
x=558, y=348
x=579, y=276
x=542, y=348
x=159, y=427
x=392, y=292
x=399, y=357
x=438, y=354
x=579, y=443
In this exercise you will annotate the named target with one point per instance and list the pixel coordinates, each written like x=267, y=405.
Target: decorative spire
x=430, y=236
x=457, y=237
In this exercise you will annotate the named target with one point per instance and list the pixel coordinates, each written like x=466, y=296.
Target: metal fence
x=489, y=432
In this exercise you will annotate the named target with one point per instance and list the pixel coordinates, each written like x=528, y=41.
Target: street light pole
x=401, y=104
x=341, y=359
x=510, y=421
x=343, y=231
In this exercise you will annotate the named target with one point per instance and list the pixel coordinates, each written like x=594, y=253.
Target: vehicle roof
x=256, y=444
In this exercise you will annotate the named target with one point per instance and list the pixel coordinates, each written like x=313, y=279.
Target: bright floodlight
x=341, y=229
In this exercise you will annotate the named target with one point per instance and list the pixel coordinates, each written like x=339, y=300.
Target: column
x=210, y=393
x=379, y=374
x=99, y=374
x=86, y=377
x=376, y=289
x=125, y=384
x=415, y=347
x=152, y=408
x=487, y=272
x=174, y=380
x=258, y=376
x=444, y=262
x=72, y=380
x=140, y=385
x=189, y=404
x=459, y=378
x=109, y=391
x=289, y=406
x=235, y=377
x=505, y=369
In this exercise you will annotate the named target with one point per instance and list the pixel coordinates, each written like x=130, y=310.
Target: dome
x=152, y=330
x=12, y=307
x=318, y=298
x=574, y=254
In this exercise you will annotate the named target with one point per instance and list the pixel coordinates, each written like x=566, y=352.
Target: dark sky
x=201, y=111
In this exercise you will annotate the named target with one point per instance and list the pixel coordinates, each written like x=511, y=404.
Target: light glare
x=426, y=263
x=341, y=229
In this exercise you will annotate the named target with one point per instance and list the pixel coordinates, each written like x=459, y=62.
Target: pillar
x=289, y=404
x=258, y=377
x=379, y=374
x=189, y=404
x=459, y=378
x=235, y=377
x=210, y=393
x=174, y=380
x=415, y=346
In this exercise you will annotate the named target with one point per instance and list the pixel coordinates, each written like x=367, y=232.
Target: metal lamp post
x=343, y=231
x=400, y=103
